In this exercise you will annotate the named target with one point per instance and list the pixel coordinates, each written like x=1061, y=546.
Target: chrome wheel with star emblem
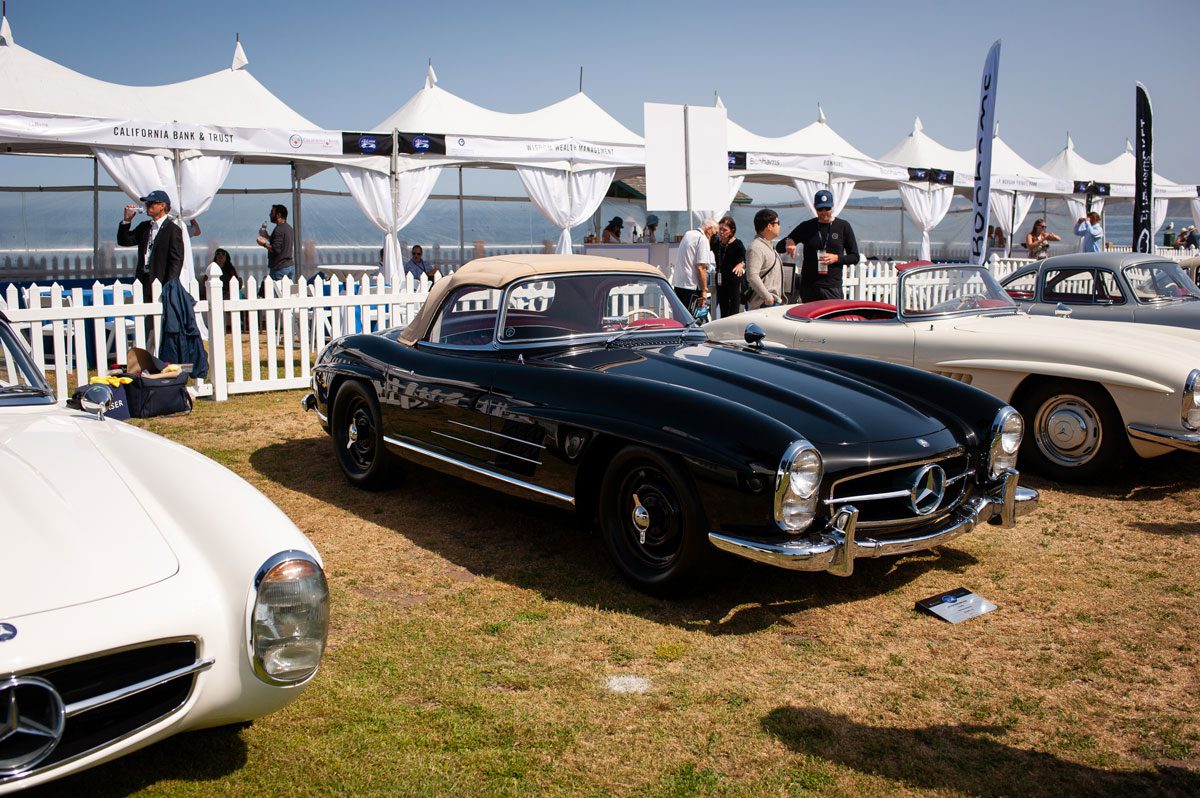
x=652, y=521
x=32, y=717
x=1076, y=434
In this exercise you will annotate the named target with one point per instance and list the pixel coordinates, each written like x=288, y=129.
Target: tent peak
x=820, y=114
x=1128, y=145
x=996, y=130
x=430, y=76
x=717, y=101
x=5, y=32
x=917, y=126
x=239, y=56
x=1070, y=144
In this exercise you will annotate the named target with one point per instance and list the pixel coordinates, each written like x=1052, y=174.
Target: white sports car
x=1091, y=392
x=144, y=589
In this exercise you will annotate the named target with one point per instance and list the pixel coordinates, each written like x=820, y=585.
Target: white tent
x=566, y=155
x=181, y=137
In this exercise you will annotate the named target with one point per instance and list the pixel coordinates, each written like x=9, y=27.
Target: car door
x=889, y=340
x=437, y=398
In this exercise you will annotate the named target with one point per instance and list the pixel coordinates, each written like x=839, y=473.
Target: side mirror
x=1062, y=311
x=754, y=335
x=96, y=399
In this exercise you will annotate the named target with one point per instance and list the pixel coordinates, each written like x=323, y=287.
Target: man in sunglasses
x=159, y=241
x=829, y=244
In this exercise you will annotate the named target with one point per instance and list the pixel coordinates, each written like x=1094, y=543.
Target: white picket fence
x=74, y=334
x=269, y=343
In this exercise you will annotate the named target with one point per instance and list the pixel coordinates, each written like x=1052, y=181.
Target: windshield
x=951, y=289
x=20, y=381
x=588, y=304
x=1160, y=282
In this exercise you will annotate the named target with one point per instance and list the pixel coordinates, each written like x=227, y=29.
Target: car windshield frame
x=29, y=376
x=686, y=319
x=1179, y=273
x=996, y=293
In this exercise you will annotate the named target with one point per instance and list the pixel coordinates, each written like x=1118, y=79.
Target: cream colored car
x=1093, y=393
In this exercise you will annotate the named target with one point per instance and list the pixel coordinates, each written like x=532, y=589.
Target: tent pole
x=462, y=238
x=687, y=168
x=393, y=234
x=297, y=246
x=1012, y=228
x=901, y=229
x=95, y=218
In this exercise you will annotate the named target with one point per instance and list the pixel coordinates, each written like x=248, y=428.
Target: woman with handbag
x=763, y=267
x=731, y=266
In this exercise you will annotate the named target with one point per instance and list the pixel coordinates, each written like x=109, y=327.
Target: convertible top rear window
x=587, y=304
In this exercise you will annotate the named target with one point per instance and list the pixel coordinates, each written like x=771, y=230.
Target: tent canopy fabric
x=1068, y=165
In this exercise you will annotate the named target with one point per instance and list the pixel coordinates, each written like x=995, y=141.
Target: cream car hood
x=72, y=528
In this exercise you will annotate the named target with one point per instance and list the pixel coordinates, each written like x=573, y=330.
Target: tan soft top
x=500, y=270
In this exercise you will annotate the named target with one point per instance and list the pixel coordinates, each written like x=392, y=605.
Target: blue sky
x=873, y=66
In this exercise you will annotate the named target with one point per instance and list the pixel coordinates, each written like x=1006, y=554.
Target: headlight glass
x=290, y=618
x=797, y=484
x=1191, y=400
x=1007, y=431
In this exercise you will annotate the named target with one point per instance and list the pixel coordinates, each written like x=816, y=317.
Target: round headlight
x=1007, y=431
x=1191, y=400
x=290, y=618
x=805, y=474
x=796, y=487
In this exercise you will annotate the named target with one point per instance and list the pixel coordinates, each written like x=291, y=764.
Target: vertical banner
x=985, y=124
x=1143, y=174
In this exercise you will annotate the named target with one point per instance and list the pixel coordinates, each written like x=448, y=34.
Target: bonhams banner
x=1143, y=174
x=985, y=123
x=135, y=134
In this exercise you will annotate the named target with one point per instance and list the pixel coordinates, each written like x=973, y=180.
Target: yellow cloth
x=113, y=380
x=171, y=368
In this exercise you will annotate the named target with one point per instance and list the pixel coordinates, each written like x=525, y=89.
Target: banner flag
x=1143, y=174
x=985, y=125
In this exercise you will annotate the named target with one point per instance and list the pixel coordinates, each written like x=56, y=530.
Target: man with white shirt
x=159, y=241
x=689, y=275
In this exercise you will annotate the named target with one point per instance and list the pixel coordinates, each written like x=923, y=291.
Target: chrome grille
x=110, y=696
x=883, y=496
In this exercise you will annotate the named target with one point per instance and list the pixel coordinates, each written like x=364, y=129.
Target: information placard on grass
x=956, y=605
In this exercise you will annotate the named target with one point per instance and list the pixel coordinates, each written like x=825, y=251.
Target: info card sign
x=956, y=605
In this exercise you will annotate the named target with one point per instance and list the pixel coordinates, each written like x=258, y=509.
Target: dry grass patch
x=475, y=640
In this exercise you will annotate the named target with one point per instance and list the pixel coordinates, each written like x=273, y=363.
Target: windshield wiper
x=24, y=389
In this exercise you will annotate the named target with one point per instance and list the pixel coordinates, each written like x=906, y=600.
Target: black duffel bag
x=157, y=395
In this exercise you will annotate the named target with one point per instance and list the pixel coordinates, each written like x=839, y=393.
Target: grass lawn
x=475, y=639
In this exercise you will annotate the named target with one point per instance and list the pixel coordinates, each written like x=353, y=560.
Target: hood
x=822, y=405
x=73, y=529
x=1106, y=338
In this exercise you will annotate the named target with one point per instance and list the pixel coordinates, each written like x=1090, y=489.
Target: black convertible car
x=584, y=382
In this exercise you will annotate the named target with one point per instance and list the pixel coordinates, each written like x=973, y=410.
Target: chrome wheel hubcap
x=1068, y=430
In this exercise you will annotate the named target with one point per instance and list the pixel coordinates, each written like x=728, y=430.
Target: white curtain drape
x=1002, y=212
x=1159, y=216
x=926, y=207
x=565, y=198
x=807, y=189
x=1077, y=206
x=373, y=192
x=1196, y=212
x=735, y=185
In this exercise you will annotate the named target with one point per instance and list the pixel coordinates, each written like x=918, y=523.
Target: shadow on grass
x=1174, y=530
x=963, y=759
x=192, y=757
x=544, y=549
x=1140, y=481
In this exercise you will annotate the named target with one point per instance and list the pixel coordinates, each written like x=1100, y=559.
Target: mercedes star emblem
x=32, y=717
x=928, y=487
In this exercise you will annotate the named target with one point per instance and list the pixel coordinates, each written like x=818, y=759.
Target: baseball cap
x=158, y=195
x=618, y=221
x=823, y=200
x=652, y=219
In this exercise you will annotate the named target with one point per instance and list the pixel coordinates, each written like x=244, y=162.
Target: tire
x=358, y=436
x=652, y=522
x=1073, y=432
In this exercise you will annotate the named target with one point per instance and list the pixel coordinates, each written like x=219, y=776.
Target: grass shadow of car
x=540, y=548
x=1140, y=481
x=197, y=756
x=956, y=758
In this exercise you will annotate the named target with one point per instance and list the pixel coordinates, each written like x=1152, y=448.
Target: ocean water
x=51, y=221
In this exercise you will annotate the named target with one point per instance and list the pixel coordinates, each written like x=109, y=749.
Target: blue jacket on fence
x=181, y=341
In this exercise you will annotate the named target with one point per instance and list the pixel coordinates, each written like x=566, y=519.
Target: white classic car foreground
x=145, y=590
x=1091, y=392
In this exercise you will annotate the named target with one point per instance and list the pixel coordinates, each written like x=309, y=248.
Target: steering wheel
x=639, y=313
x=970, y=302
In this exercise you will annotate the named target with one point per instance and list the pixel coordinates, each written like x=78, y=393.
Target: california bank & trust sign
x=167, y=134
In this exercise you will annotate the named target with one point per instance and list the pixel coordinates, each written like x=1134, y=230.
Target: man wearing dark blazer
x=159, y=241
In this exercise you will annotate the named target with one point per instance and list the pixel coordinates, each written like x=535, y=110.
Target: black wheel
x=358, y=436
x=652, y=522
x=1073, y=432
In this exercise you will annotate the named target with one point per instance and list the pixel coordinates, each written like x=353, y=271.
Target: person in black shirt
x=835, y=238
x=280, y=246
x=730, y=257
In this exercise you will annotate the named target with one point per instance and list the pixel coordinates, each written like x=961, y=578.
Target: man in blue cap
x=829, y=244
x=159, y=241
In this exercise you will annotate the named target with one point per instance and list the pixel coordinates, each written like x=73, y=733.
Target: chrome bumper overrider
x=1177, y=439
x=309, y=402
x=835, y=548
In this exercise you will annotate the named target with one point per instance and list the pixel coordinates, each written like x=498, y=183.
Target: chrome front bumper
x=1176, y=439
x=835, y=548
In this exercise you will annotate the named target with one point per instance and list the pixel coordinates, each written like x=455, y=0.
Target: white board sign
x=687, y=158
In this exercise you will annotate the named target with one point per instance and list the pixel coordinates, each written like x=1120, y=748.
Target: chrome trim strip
x=489, y=448
x=500, y=434
x=1188, y=441
x=88, y=704
x=894, y=494
x=553, y=494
